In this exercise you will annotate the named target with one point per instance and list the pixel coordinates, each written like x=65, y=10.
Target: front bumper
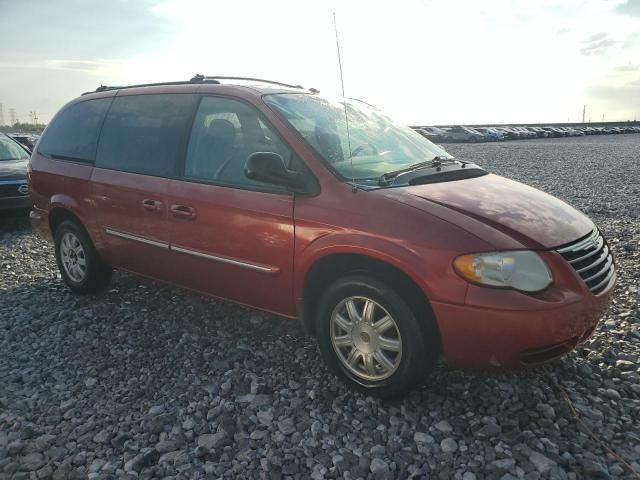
x=506, y=329
x=15, y=203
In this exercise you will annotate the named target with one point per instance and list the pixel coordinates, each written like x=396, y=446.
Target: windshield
x=378, y=145
x=10, y=150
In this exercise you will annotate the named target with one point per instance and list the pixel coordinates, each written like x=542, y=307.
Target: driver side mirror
x=269, y=167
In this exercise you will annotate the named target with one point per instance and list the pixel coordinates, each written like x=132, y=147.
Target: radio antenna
x=344, y=103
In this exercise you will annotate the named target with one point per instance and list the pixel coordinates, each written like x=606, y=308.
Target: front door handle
x=183, y=211
x=152, y=205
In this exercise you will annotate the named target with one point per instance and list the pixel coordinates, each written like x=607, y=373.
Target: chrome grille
x=10, y=189
x=592, y=260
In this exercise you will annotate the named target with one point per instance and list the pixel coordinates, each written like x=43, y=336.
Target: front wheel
x=372, y=338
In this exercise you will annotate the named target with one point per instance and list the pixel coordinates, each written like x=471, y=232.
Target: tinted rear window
x=142, y=133
x=74, y=132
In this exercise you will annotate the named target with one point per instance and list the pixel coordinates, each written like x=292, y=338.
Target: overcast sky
x=423, y=61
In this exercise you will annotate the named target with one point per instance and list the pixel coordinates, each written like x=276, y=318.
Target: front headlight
x=521, y=270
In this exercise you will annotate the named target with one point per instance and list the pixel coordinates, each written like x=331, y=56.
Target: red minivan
x=380, y=243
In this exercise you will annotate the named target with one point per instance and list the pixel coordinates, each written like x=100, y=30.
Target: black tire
x=97, y=273
x=417, y=328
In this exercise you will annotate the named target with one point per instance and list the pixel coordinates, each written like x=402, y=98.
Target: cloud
x=621, y=93
x=87, y=66
x=561, y=31
x=597, y=44
x=630, y=7
x=595, y=37
x=629, y=67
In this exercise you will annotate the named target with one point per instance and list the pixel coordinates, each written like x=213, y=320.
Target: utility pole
x=1, y=115
x=13, y=118
x=35, y=117
x=603, y=117
x=584, y=111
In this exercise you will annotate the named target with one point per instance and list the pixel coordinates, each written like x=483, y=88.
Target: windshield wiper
x=386, y=177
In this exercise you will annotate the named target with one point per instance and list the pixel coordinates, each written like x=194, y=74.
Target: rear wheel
x=81, y=267
x=372, y=338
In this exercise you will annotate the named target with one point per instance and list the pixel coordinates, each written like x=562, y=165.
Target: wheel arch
x=59, y=214
x=63, y=207
x=332, y=266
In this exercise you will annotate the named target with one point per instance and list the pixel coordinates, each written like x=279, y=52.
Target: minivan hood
x=532, y=218
x=13, y=169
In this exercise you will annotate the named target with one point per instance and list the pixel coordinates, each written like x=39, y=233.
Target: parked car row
x=463, y=133
x=14, y=191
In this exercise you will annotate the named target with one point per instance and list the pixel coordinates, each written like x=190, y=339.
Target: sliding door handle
x=152, y=205
x=183, y=211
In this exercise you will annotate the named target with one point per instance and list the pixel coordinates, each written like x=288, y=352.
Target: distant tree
x=23, y=128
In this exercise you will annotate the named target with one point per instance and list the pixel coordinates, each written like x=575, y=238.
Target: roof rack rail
x=104, y=88
x=199, y=79
x=209, y=78
x=205, y=78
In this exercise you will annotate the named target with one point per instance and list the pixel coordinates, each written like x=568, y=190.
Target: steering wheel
x=361, y=148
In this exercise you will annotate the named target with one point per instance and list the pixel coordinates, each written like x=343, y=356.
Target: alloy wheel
x=366, y=338
x=73, y=257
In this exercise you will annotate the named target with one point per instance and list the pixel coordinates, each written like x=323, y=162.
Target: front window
x=10, y=150
x=378, y=145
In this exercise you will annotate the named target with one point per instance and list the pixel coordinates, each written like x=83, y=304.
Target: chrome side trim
x=136, y=238
x=195, y=253
x=230, y=261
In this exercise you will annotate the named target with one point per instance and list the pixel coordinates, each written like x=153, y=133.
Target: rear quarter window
x=73, y=134
x=143, y=133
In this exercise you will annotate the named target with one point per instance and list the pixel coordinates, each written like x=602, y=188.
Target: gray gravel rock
x=444, y=426
x=489, y=430
x=213, y=441
x=595, y=470
x=287, y=426
x=32, y=461
x=379, y=468
x=542, y=463
x=449, y=445
x=149, y=381
x=421, y=437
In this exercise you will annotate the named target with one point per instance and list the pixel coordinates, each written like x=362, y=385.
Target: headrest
x=221, y=130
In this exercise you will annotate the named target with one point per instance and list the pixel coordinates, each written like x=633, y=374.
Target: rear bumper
x=40, y=222
x=15, y=203
x=505, y=329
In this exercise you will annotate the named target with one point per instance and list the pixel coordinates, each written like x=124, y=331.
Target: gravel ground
x=146, y=380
